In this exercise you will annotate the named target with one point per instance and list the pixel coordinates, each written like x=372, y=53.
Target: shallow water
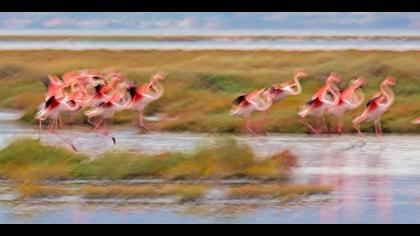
x=375, y=183
x=226, y=44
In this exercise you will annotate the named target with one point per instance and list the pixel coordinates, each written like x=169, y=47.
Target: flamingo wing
x=374, y=103
x=239, y=100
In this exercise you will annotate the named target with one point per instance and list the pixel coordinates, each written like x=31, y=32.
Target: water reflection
x=372, y=185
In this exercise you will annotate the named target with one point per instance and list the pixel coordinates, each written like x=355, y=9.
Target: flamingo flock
x=98, y=96
x=327, y=100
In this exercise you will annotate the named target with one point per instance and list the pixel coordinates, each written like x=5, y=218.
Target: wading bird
x=376, y=107
x=102, y=95
x=55, y=104
x=118, y=100
x=143, y=95
x=350, y=99
x=247, y=104
x=289, y=88
x=325, y=98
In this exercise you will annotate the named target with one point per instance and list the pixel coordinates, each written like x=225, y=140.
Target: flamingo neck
x=264, y=104
x=158, y=89
x=333, y=89
x=298, y=86
x=388, y=93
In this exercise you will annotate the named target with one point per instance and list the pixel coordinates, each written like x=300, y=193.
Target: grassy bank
x=202, y=84
x=28, y=164
x=28, y=160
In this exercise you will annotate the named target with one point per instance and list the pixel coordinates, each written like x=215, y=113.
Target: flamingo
x=325, y=98
x=247, y=104
x=416, y=121
x=145, y=94
x=351, y=98
x=55, y=104
x=376, y=107
x=107, y=109
x=289, y=88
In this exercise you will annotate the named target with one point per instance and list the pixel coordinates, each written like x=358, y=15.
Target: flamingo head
x=360, y=82
x=300, y=74
x=117, y=77
x=159, y=77
x=390, y=81
x=334, y=78
x=97, y=80
x=70, y=77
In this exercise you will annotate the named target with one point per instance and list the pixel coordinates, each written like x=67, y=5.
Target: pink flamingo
x=81, y=83
x=289, y=88
x=247, y=104
x=55, y=104
x=416, y=121
x=326, y=97
x=145, y=94
x=107, y=109
x=376, y=107
x=351, y=98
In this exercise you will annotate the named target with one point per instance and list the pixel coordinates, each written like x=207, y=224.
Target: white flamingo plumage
x=376, y=107
x=350, y=99
x=325, y=98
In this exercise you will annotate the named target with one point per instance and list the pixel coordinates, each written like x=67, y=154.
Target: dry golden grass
x=202, y=84
x=33, y=173
x=28, y=191
x=181, y=192
x=276, y=190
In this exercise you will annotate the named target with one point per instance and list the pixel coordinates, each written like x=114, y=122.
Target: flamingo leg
x=51, y=126
x=378, y=131
x=359, y=131
x=340, y=126
x=60, y=122
x=95, y=125
x=65, y=139
x=105, y=131
x=71, y=122
x=378, y=128
x=324, y=125
x=248, y=127
x=39, y=129
x=141, y=121
x=307, y=124
x=263, y=123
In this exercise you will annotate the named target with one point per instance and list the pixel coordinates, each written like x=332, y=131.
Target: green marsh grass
x=28, y=164
x=220, y=158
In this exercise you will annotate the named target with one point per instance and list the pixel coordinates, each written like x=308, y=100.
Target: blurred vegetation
x=272, y=191
x=184, y=192
x=203, y=84
x=31, y=166
x=222, y=158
